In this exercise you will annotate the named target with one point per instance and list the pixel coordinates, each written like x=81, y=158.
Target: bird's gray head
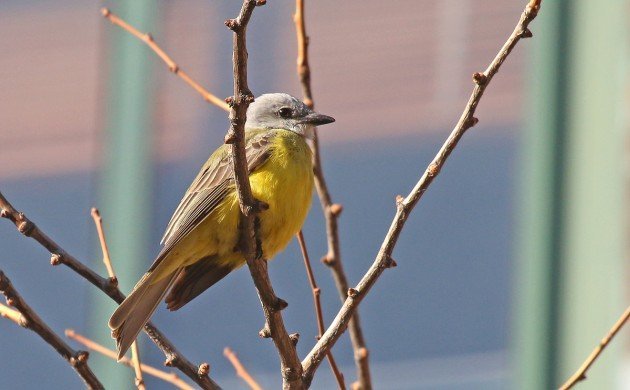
x=283, y=111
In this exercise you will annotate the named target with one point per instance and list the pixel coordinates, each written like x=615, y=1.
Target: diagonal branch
x=318, y=308
x=251, y=246
x=172, y=66
x=59, y=256
x=580, y=374
x=331, y=210
x=406, y=205
x=169, y=377
x=29, y=319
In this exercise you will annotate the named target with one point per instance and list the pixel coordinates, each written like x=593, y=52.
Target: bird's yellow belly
x=285, y=183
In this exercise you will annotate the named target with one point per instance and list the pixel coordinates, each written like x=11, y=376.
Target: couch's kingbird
x=201, y=240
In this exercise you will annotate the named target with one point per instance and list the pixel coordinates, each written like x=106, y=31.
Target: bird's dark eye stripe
x=285, y=112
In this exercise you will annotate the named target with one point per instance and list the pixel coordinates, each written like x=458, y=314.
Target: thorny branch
x=172, y=66
x=240, y=369
x=59, y=256
x=405, y=205
x=251, y=247
x=580, y=374
x=28, y=319
x=169, y=377
x=331, y=210
x=318, y=308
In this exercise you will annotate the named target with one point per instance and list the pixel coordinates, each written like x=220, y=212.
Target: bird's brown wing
x=210, y=187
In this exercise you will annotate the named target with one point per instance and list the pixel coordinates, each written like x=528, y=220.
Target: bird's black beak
x=316, y=119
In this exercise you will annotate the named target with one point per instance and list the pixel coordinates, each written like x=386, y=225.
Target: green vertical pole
x=541, y=195
x=592, y=272
x=569, y=253
x=125, y=186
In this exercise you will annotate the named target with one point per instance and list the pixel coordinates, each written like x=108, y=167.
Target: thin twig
x=30, y=320
x=59, y=255
x=172, y=66
x=135, y=353
x=251, y=246
x=98, y=222
x=240, y=370
x=318, y=308
x=331, y=210
x=580, y=374
x=169, y=377
x=137, y=365
x=405, y=205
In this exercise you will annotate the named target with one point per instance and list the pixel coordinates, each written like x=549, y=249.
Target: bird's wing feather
x=210, y=187
x=195, y=279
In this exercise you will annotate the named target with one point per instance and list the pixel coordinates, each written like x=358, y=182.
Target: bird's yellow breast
x=284, y=182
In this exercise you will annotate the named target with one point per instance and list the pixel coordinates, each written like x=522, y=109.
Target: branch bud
x=279, y=305
x=55, y=259
x=265, y=332
x=352, y=292
x=295, y=337
x=479, y=78
x=232, y=24
x=204, y=369
x=329, y=260
x=336, y=209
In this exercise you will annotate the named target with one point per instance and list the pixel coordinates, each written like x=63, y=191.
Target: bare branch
x=98, y=222
x=331, y=210
x=137, y=365
x=135, y=353
x=318, y=308
x=30, y=320
x=60, y=256
x=240, y=370
x=169, y=377
x=11, y=314
x=405, y=205
x=580, y=374
x=251, y=248
x=172, y=66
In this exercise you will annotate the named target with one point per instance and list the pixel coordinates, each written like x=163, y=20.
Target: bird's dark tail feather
x=195, y=279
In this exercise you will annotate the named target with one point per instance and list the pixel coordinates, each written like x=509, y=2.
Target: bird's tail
x=134, y=312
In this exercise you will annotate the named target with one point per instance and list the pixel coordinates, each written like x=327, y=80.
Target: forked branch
x=331, y=210
x=28, y=228
x=169, y=377
x=406, y=205
x=28, y=319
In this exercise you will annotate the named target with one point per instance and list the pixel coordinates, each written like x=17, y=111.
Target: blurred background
x=510, y=270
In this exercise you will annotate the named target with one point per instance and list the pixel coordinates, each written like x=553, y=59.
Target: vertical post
x=592, y=269
x=125, y=185
x=570, y=239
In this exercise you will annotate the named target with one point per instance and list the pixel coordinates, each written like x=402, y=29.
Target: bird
x=201, y=241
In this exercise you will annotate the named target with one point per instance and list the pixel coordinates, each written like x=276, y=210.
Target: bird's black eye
x=285, y=112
